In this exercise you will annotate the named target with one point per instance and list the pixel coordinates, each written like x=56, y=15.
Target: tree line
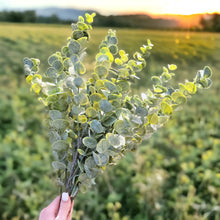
x=209, y=22
x=28, y=16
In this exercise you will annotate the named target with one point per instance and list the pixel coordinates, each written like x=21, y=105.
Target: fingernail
x=65, y=197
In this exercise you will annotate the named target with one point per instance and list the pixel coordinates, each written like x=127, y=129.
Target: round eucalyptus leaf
x=60, y=145
x=101, y=71
x=57, y=165
x=58, y=65
x=90, y=142
x=55, y=114
x=78, y=81
x=103, y=146
x=105, y=105
x=97, y=127
x=53, y=58
x=60, y=124
x=74, y=47
x=52, y=73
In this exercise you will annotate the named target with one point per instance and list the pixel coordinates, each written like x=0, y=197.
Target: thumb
x=65, y=207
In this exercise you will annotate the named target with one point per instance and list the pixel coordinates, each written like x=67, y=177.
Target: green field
x=173, y=175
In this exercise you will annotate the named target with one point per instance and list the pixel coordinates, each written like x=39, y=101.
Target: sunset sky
x=185, y=7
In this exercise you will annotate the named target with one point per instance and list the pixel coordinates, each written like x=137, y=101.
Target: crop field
x=173, y=175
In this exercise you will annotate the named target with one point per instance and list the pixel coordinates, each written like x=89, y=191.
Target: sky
x=185, y=7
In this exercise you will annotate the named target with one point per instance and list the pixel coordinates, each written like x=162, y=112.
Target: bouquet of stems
x=94, y=121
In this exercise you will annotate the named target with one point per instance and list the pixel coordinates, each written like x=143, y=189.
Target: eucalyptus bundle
x=94, y=121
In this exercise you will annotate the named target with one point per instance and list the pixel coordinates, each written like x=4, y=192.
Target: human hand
x=58, y=209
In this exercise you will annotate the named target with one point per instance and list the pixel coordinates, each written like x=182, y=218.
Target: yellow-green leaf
x=82, y=119
x=91, y=112
x=172, y=67
x=29, y=78
x=166, y=108
x=36, y=88
x=178, y=97
x=153, y=119
x=190, y=87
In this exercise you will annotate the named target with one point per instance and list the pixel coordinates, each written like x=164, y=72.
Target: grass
x=177, y=169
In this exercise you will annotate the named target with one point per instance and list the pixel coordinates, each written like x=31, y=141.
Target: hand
x=58, y=210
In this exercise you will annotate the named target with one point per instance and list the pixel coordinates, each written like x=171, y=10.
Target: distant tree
x=30, y=16
x=216, y=22
x=211, y=22
x=14, y=16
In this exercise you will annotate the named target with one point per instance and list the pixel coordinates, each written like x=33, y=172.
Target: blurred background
x=173, y=175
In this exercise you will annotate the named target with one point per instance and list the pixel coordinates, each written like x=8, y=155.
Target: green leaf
x=55, y=114
x=91, y=112
x=153, y=119
x=65, y=51
x=166, y=108
x=27, y=61
x=77, y=35
x=90, y=167
x=81, y=152
x=109, y=119
x=90, y=142
x=137, y=120
x=110, y=86
x=120, y=127
x=190, y=87
x=82, y=119
x=76, y=110
x=79, y=68
x=156, y=80
x=53, y=136
x=205, y=83
x=53, y=58
x=113, y=49
x=96, y=97
x=105, y=106
x=118, y=61
x=104, y=159
x=78, y=81
x=97, y=127
x=58, y=65
x=124, y=85
x=60, y=124
x=115, y=140
x=165, y=77
x=74, y=58
x=103, y=146
x=178, y=97
x=172, y=67
x=89, y=18
x=57, y=165
x=83, y=99
x=80, y=165
x=60, y=105
x=101, y=71
x=52, y=73
x=82, y=26
x=141, y=111
x=207, y=72
x=160, y=89
x=112, y=40
x=36, y=88
x=81, y=19
x=97, y=159
x=60, y=145
x=74, y=47
x=67, y=63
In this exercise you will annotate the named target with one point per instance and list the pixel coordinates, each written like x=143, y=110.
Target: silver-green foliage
x=94, y=122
